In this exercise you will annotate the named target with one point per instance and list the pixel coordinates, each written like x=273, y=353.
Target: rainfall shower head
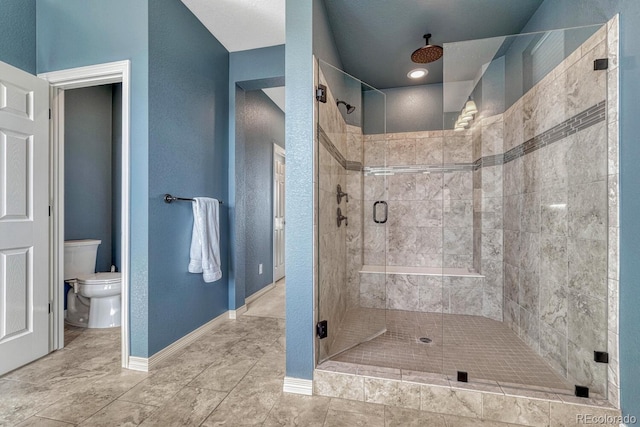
x=350, y=108
x=428, y=53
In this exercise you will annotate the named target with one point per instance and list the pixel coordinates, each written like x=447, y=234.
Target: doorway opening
x=116, y=74
x=259, y=190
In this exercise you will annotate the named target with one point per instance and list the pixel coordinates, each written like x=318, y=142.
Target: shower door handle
x=386, y=211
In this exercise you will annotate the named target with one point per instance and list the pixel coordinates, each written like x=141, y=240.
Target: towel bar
x=168, y=198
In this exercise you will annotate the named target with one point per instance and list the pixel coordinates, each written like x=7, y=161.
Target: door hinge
x=49, y=113
x=321, y=93
x=322, y=329
x=49, y=308
x=581, y=391
x=601, y=356
x=49, y=210
x=601, y=64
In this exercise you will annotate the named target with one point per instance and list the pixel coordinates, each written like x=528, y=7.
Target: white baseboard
x=138, y=364
x=146, y=364
x=298, y=386
x=234, y=314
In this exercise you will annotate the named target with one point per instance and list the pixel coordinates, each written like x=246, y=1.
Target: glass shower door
x=532, y=310
x=351, y=302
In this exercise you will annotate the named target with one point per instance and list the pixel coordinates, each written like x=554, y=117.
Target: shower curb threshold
x=436, y=393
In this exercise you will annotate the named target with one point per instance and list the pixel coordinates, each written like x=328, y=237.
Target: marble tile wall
x=487, y=213
x=485, y=402
x=333, y=293
x=355, y=230
x=613, y=375
x=555, y=226
x=427, y=183
x=422, y=293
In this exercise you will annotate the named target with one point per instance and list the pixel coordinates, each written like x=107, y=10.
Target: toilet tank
x=80, y=257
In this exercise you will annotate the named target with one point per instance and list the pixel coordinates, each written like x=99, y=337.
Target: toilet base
x=93, y=312
x=104, y=312
x=77, y=312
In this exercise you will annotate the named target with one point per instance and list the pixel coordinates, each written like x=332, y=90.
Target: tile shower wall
x=555, y=216
x=487, y=137
x=332, y=143
x=427, y=183
x=613, y=388
x=354, y=208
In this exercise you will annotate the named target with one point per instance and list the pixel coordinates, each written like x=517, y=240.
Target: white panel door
x=24, y=218
x=278, y=212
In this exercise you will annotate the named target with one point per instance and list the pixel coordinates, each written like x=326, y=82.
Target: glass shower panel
x=528, y=286
x=351, y=298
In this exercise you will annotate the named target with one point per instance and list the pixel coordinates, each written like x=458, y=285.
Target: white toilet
x=94, y=300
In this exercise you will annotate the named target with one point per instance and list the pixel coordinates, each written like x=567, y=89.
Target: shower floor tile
x=484, y=348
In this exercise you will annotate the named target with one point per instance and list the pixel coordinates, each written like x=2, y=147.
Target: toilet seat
x=99, y=279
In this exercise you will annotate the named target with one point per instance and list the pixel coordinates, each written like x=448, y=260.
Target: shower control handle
x=340, y=194
x=341, y=218
x=375, y=210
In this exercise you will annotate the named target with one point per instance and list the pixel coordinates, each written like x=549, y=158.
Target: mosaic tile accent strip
x=353, y=166
x=495, y=160
x=397, y=170
x=580, y=121
x=331, y=148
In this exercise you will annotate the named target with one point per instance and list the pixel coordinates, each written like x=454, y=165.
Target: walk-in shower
x=488, y=250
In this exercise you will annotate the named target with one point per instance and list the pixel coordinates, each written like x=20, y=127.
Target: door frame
x=277, y=150
x=59, y=81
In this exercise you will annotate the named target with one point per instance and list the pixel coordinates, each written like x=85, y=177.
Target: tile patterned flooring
x=233, y=375
x=484, y=348
x=270, y=304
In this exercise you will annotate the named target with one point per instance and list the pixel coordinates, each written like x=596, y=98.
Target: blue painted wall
x=263, y=124
x=568, y=13
x=89, y=171
x=408, y=109
x=492, y=89
x=75, y=33
x=518, y=72
x=237, y=208
x=248, y=70
x=324, y=44
x=18, y=34
x=188, y=135
x=299, y=197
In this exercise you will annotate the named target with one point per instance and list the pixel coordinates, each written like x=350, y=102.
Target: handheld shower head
x=350, y=108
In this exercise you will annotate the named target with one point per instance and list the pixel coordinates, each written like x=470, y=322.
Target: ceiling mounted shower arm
x=427, y=53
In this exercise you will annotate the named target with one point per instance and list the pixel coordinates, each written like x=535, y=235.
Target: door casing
x=59, y=81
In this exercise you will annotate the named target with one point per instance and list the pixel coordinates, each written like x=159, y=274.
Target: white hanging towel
x=205, y=240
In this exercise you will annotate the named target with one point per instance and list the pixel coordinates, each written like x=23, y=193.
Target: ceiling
x=374, y=38
x=242, y=24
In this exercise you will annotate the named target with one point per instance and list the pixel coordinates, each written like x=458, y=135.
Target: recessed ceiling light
x=417, y=73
